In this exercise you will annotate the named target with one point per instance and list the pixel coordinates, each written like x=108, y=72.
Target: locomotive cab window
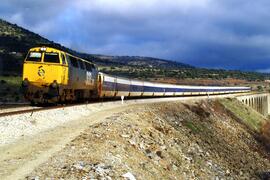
x=34, y=57
x=63, y=59
x=51, y=58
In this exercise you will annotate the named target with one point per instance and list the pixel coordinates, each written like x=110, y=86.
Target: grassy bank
x=244, y=113
x=10, y=89
x=252, y=119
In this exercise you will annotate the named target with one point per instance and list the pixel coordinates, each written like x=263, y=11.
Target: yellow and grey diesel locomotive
x=51, y=75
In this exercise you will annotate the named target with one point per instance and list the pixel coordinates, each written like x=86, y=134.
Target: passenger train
x=51, y=75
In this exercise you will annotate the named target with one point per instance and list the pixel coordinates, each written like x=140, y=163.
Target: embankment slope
x=173, y=140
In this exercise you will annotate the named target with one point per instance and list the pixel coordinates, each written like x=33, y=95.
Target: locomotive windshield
x=34, y=56
x=51, y=57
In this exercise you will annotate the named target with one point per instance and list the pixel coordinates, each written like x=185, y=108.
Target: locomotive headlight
x=43, y=49
x=54, y=84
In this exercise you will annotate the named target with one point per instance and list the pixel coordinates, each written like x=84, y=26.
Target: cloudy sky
x=231, y=34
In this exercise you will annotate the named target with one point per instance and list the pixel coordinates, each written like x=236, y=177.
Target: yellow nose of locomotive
x=44, y=71
x=43, y=66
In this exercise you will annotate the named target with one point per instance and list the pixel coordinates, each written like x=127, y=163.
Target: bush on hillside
x=265, y=135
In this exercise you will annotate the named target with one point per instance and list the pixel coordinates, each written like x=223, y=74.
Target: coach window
x=81, y=64
x=63, y=59
x=51, y=58
x=73, y=61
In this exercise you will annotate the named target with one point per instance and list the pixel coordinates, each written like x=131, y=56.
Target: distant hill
x=134, y=61
x=15, y=41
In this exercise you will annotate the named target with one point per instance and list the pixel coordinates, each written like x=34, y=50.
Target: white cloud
x=139, y=8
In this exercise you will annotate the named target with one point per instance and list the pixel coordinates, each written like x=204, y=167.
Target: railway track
x=16, y=112
x=21, y=109
x=13, y=110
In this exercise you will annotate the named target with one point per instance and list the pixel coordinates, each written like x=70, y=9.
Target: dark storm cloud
x=207, y=33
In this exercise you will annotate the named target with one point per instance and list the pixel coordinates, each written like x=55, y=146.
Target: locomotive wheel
x=62, y=98
x=32, y=103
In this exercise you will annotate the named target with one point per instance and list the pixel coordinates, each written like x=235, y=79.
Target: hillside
x=15, y=42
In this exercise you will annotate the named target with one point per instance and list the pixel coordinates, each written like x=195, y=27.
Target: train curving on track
x=52, y=75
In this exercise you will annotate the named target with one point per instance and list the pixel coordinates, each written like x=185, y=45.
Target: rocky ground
x=174, y=140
